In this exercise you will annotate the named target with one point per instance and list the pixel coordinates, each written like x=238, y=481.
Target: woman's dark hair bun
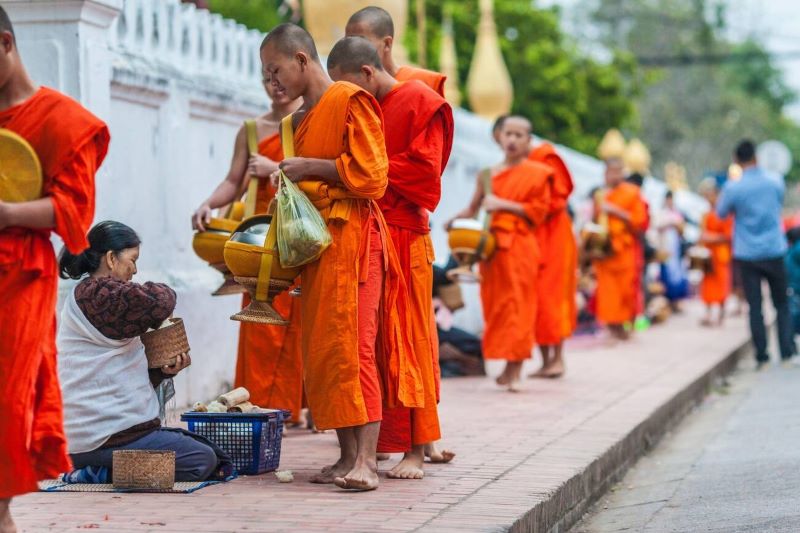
x=103, y=237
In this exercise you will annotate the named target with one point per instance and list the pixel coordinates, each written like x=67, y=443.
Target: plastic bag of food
x=302, y=233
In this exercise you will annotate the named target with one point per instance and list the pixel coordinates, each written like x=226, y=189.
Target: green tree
x=256, y=14
x=571, y=98
x=700, y=94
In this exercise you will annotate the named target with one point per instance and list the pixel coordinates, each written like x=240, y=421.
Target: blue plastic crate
x=253, y=440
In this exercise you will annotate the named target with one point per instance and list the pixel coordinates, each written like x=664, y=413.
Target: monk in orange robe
x=269, y=362
x=357, y=352
x=519, y=202
x=375, y=24
x=616, y=273
x=557, y=281
x=71, y=144
x=717, y=234
x=419, y=137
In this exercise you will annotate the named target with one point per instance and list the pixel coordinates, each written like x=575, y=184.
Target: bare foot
x=383, y=456
x=541, y=373
x=362, y=477
x=555, y=370
x=6, y=523
x=329, y=474
x=409, y=468
x=435, y=456
x=706, y=323
x=503, y=379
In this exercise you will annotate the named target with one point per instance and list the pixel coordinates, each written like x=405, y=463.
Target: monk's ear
x=387, y=43
x=368, y=72
x=302, y=59
x=6, y=41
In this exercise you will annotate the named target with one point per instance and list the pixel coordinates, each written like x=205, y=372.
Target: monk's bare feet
x=362, y=477
x=383, y=456
x=329, y=473
x=435, y=456
x=504, y=378
x=410, y=467
x=541, y=373
x=555, y=370
x=6, y=523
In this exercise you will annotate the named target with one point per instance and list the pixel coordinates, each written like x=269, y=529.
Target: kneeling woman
x=110, y=400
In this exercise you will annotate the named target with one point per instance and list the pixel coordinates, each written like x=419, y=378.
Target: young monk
x=519, y=202
x=616, y=273
x=71, y=143
x=419, y=136
x=717, y=235
x=376, y=25
x=269, y=362
x=355, y=344
x=557, y=281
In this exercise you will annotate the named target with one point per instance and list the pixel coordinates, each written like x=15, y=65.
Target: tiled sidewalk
x=515, y=451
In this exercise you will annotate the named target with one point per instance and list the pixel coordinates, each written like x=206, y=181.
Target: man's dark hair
x=352, y=53
x=635, y=178
x=5, y=22
x=668, y=195
x=378, y=19
x=745, y=151
x=290, y=38
x=498, y=123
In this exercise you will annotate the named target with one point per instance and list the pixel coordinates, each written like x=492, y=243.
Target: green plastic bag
x=301, y=232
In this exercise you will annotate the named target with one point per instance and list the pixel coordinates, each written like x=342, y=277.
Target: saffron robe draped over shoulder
x=432, y=79
x=557, y=280
x=270, y=360
x=71, y=144
x=419, y=137
x=345, y=126
x=508, y=288
x=617, y=274
x=716, y=285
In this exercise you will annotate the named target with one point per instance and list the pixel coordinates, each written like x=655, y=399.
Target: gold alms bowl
x=469, y=243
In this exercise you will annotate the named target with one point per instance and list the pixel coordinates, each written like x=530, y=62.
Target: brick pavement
x=524, y=459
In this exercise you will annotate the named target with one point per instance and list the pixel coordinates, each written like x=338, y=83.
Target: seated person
x=110, y=401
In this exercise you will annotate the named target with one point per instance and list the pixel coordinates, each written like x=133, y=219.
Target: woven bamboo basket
x=143, y=469
x=163, y=346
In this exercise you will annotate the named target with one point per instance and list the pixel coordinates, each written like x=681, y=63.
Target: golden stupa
x=448, y=62
x=326, y=20
x=637, y=157
x=612, y=145
x=489, y=84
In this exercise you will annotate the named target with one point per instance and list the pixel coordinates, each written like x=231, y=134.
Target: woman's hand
x=201, y=217
x=183, y=360
x=260, y=166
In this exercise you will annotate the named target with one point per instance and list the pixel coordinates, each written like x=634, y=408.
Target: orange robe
x=432, y=79
x=71, y=144
x=419, y=137
x=345, y=126
x=716, y=285
x=508, y=289
x=269, y=362
x=557, y=315
x=617, y=274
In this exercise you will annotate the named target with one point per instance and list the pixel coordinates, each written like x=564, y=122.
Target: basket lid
x=20, y=169
x=467, y=223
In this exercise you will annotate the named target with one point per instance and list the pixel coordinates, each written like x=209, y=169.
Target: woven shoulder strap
x=287, y=136
x=485, y=177
x=252, y=187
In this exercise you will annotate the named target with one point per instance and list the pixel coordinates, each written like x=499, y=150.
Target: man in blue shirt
x=759, y=246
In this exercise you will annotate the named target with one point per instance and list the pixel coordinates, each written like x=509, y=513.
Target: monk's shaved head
x=352, y=53
x=5, y=22
x=288, y=39
x=377, y=19
x=517, y=120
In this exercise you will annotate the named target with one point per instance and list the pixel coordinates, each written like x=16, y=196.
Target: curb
x=567, y=505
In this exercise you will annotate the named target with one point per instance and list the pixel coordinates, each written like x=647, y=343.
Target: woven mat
x=55, y=485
